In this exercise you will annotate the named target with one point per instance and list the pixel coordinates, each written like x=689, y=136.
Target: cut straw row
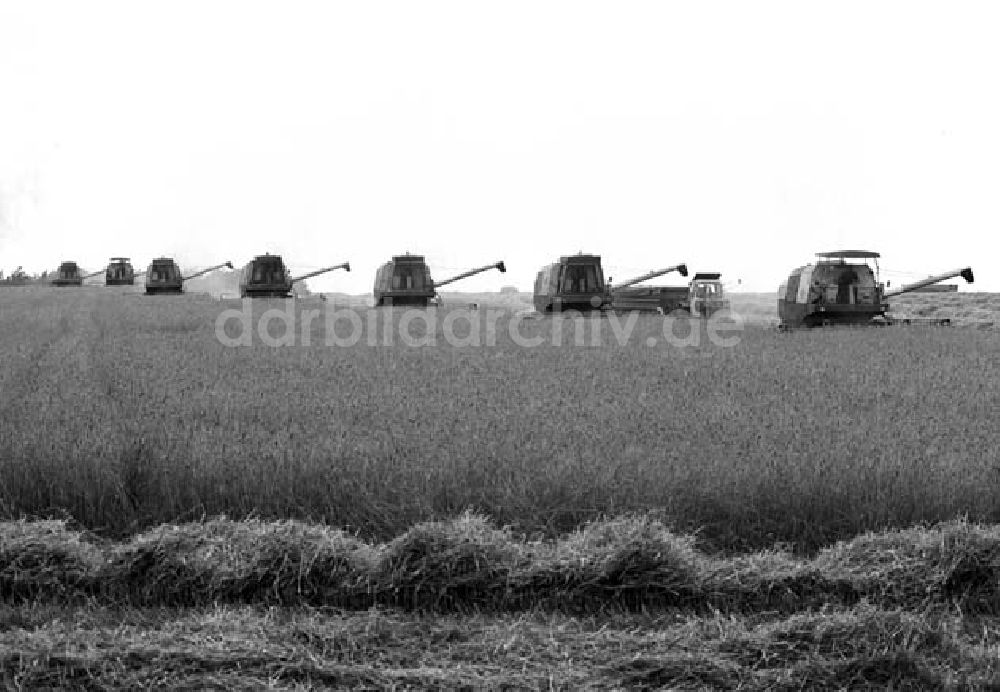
x=630, y=562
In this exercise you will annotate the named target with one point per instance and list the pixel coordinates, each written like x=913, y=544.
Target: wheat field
x=126, y=411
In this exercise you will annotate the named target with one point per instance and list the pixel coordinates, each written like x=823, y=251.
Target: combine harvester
x=119, y=272
x=164, y=276
x=265, y=276
x=70, y=274
x=575, y=282
x=703, y=296
x=835, y=292
x=406, y=280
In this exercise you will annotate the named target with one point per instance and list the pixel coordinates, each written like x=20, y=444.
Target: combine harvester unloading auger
x=164, y=276
x=265, y=276
x=679, y=268
x=406, y=280
x=834, y=292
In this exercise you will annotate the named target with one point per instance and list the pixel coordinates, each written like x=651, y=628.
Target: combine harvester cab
x=70, y=274
x=406, y=280
x=265, y=276
x=119, y=272
x=164, y=276
x=575, y=282
x=834, y=291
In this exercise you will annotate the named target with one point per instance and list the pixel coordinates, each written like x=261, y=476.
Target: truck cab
x=707, y=295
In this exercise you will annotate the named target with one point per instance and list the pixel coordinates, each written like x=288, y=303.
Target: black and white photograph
x=474, y=345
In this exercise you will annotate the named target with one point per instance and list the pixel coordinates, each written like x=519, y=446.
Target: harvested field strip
x=467, y=564
x=251, y=648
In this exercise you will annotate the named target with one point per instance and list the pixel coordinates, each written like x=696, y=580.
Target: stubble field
x=551, y=488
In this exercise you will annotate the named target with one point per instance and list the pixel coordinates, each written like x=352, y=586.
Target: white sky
x=739, y=137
